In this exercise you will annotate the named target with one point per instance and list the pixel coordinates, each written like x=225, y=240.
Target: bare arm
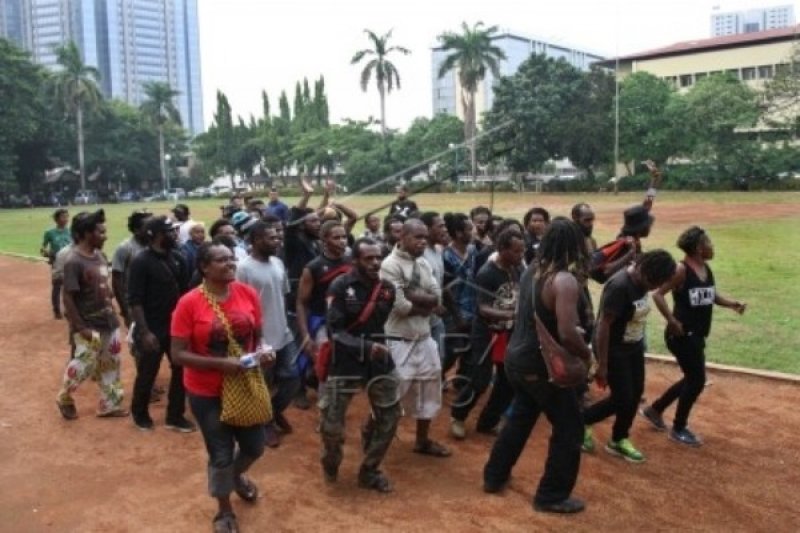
x=179, y=349
x=308, y=190
x=566, y=294
x=304, y=288
x=736, y=305
x=350, y=214
x=674, y=327
x=601, y=341
x=493, y=314
x=613, y=266
x=118, y=288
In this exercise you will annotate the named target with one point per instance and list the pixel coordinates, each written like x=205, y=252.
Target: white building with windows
x=752, y=20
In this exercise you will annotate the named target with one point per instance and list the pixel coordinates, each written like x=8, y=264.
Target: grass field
x=755, y=234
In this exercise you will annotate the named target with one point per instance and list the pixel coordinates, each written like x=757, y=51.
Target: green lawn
x=756, y=238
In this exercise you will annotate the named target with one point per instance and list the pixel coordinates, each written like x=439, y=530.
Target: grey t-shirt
x=124, y=253
x=270, y=281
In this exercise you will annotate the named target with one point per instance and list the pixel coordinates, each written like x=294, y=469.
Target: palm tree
x=75, y=87
x=160, y=109
x=472, y=53
x=386, y=75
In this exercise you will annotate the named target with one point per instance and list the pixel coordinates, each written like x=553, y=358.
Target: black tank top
x=694, y=302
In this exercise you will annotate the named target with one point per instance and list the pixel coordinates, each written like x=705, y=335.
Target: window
x=699, y=76
x=783, y=69
x=686, y=80
x=734, y=72
x=765, y=72
x=749, y=73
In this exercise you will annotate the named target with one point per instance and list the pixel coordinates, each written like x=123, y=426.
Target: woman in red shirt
x=200, y=344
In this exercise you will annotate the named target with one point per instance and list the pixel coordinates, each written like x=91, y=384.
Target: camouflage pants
x=96, y=358
x=336, y=396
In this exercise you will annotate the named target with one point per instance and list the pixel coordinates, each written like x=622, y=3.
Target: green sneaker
x=624, y=448
x=588, y=440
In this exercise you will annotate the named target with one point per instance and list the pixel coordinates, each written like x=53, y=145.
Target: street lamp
x=167, y=159
x=454, y=148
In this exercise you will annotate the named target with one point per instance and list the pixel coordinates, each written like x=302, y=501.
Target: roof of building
x=714, y=43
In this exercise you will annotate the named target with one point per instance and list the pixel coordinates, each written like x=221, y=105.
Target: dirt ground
x=104, y=475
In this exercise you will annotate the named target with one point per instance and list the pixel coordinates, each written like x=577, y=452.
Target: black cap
x=637, y=219
x=158, y=225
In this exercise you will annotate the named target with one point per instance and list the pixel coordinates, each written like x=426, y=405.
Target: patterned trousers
x=97, y=358
x=336, y=396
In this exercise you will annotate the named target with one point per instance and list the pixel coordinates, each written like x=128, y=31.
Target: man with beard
x=157, y=279
x=92, y=323
x=359, y=305
x=264, y=271
x=583, y=216
x=535, y=221
x=408, y=331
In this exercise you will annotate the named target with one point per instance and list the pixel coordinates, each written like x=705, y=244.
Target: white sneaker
x=457, y=429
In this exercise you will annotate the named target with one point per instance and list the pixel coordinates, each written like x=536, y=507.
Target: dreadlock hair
x=84, y=223
x=563, y=248
x=217, y=225
x=505, y=238
x=503, y=225
x=690, y=239
x=136, y=220
x=480, y=210
x=327, y=227
x=536, y=211
x=656, y=266
x=455, y=223
x=427, y=218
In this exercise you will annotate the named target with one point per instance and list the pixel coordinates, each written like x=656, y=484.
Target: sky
x=247, y=46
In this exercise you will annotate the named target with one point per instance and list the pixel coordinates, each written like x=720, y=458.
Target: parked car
x=49, y=199
x=201, y=192
x=176, y=194
x=158, y=196
x=85, y=198
x=130, y=196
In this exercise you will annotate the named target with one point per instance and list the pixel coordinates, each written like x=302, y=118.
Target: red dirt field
x=104, y=475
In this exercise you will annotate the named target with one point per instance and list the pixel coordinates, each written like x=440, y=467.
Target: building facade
x=447, y=90
x=131, y=42
x=752, y=20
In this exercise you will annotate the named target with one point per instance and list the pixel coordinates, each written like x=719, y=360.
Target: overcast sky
x=250, y=45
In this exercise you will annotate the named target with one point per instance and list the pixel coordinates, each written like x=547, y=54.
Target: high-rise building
x=446, y=90
x=131, y=42
x=752, y=20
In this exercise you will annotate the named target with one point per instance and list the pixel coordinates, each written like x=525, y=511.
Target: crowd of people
x=421, y=304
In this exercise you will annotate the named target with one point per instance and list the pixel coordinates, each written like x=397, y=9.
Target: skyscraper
x=752, y=20
x=130, y=42
x=446, y=90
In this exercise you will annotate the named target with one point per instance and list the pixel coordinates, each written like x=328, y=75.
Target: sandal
x=432, y=448
x=374, y=480
x=225, y=522
x=245, y=489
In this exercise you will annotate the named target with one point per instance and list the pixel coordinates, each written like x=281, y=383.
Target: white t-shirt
x=269, y=280
x=183, y=231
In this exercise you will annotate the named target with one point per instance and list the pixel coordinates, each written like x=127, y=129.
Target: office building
x=131, y=42
x=447, y=90
x=752, y=20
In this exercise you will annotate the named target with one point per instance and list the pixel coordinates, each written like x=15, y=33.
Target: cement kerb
x=34, y=258
x=729, y=369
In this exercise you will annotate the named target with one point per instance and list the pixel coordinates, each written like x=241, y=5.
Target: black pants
x=479, y=371
x=626, y=381
x=689, y=350
x=55, y=296
x=147, y=366
x=533, y=396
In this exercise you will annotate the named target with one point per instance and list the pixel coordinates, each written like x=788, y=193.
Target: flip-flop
x=432, y=448
x=245, y=489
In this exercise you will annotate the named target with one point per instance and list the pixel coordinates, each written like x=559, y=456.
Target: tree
x=472, y=53
x=650, y=116
x=386, y=74
x=75, y=87
x=160, y=108
x=782, y=95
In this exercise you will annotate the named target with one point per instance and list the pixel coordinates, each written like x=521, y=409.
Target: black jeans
x=534, y=395
x=626, y=381
x=55, y=296
x=283, y=377
x=225, y=462
x=479, y=370
x=689, y=350
x=147, y=366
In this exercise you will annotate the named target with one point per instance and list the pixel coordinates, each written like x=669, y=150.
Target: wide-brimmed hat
x=157, y=225
x=637, y=219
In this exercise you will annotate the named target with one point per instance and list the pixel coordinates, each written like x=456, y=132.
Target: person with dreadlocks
x=551, y=288
x=688, y=324
x=619, y=343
